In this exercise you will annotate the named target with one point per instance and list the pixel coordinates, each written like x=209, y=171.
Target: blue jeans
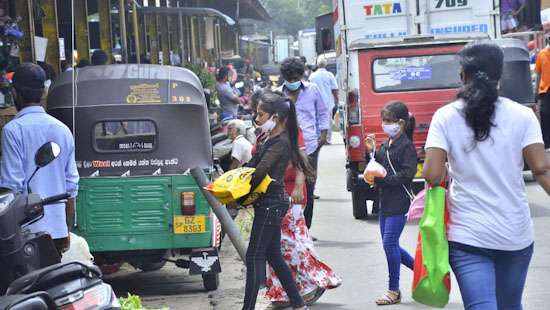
x=391, y=228
x=490, y=279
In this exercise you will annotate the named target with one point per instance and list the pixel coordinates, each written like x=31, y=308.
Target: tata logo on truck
x=383, y=9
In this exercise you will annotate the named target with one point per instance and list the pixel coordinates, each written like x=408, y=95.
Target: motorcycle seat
x=42, y=279
x=35, y=301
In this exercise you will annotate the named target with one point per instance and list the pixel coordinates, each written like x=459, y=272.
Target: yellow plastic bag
x=235, y=184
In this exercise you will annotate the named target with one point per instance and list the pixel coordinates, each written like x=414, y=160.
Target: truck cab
x=405, y=51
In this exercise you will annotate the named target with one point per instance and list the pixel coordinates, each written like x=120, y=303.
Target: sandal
x=390, y=298
x=313, y=298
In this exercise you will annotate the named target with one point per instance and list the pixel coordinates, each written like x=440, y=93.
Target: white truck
x=402, y=50
x=282, y=48
x=306, y=45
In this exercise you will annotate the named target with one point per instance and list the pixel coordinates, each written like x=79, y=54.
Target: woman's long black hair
x=481, y=69
x=399, y=111
x=275, y=103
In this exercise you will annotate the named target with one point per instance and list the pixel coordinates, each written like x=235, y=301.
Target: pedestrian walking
x=31, y=128
x=542, y=68
x=312, y=276
x=229, y=101
x=277, y=117
x=398, y=156
x=313, y=118
x=485, y=139
x=328, y=86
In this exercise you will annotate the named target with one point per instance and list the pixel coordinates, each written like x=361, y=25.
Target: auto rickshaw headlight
x=188, y=203
x=354, y=142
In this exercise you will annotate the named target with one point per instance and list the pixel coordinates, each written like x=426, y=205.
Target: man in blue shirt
x=22, y=137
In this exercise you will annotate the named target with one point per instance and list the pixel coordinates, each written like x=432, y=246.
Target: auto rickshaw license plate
x=189, y=224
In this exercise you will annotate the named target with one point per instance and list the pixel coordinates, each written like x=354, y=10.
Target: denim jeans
x=391, y=228
x=265, y=244
x=490, y=279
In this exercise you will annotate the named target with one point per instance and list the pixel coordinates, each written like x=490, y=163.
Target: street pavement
x=351, y=247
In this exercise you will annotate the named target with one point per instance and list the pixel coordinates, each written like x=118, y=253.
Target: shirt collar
x=28, y=110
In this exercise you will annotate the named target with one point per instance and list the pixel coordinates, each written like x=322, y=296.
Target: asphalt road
x=351, y=247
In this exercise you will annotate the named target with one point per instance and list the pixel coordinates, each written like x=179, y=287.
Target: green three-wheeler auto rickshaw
x=138, y=130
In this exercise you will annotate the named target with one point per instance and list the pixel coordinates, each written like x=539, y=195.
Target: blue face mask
x=293, y=86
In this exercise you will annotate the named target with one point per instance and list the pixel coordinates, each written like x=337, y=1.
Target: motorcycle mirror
x=46, y=154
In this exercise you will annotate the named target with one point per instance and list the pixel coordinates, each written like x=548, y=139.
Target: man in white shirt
x=326, y=82
x=241, y=152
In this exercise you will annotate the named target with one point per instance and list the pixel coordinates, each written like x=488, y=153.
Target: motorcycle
x=32, y=275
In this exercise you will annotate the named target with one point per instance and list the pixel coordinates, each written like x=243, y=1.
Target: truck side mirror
x=326, y=39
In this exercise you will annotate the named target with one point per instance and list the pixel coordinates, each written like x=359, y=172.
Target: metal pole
x=123, y=34
x=136, y=31
x=228, y=224
x=180, y=28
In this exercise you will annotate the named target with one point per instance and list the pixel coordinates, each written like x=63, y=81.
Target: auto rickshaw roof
x=126, y=84
x=514, y=49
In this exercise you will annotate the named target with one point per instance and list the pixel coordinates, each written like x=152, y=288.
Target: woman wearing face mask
x=277, y=117
x=398, y=156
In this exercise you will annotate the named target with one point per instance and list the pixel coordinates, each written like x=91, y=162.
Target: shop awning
x=189, y=11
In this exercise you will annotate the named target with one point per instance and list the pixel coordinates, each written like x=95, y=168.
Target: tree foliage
x=290, y=16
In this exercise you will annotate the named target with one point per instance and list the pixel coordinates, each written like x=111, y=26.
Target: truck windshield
x=416, y=73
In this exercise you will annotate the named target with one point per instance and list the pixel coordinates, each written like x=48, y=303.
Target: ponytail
x=410, y=126
x=482, y=68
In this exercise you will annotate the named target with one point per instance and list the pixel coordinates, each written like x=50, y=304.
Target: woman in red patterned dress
x=312, y=276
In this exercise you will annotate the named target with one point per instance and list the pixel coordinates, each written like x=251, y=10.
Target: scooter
x=32, y=276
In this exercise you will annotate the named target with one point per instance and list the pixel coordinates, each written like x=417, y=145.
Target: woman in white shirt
x=485, y=139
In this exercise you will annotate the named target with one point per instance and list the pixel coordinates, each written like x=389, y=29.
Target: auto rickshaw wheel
x=152, y=266
x=211, y=281
x=359, y=202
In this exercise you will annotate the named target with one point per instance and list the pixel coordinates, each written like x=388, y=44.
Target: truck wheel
x=211, y=281
x=359, y=202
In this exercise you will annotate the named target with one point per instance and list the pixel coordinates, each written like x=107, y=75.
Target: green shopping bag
x=432, y=280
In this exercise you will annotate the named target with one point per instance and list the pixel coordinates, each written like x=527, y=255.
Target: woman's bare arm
x=539, y=164
x=434, y=166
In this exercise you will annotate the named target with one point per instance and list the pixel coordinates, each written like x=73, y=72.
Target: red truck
x=400, y=50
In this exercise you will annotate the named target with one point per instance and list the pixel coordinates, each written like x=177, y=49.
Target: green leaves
x=133, y=302
x=290, y=16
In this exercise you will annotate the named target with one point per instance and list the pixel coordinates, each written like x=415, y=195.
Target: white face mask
x=391, y=130
x=268, y=125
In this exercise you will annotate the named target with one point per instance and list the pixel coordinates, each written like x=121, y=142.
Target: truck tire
x=211, y=281
x=359, y=202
